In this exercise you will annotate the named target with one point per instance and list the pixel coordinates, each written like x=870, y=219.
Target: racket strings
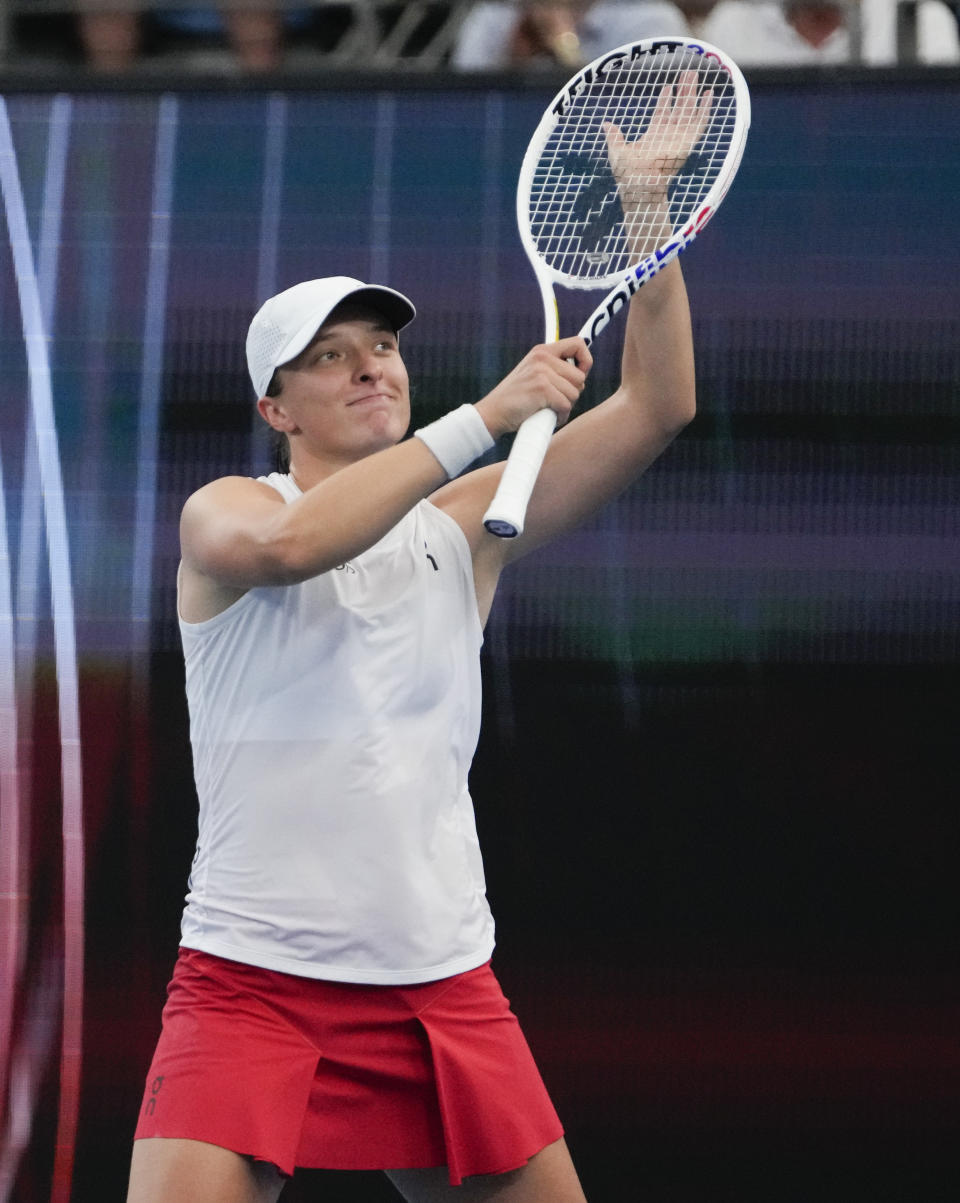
x=590, y=217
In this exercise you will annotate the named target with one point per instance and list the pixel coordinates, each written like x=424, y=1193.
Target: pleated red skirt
x=329, y=1075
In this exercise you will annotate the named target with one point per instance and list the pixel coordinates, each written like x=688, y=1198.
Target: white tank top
x=333, y=724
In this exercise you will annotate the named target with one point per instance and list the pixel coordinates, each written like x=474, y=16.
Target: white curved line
x=12, y=899
x=380, y=191
x=151, y=379
x=64, y=633
x=51, y=214
x=274, y=149
x=31, y=529
x=28, y=1062
x=15, y=799
x=271, y=197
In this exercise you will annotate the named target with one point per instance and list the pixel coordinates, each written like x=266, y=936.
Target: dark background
x=716, y=784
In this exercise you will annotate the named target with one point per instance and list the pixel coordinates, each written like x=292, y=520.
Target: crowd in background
x=505, y=35
x=498, y=34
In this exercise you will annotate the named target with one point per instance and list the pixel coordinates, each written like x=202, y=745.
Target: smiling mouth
x=369, y=398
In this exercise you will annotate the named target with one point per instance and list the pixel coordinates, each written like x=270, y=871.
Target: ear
x=274, y=414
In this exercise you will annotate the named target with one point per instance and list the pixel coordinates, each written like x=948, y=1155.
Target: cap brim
x=394, y=306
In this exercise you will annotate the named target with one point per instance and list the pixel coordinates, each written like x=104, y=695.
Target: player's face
x=348, y=393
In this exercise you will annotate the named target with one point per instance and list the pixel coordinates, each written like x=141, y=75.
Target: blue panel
x=812, y=510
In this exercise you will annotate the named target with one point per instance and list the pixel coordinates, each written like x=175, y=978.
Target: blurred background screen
x=716, y=784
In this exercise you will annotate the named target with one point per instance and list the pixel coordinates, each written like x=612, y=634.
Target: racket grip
x=508, y=509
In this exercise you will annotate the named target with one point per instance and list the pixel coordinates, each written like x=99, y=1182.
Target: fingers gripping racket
x=628, y=164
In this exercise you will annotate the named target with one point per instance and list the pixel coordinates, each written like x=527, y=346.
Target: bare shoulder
x=216, y=525
x=221, y=506
x=228, y=492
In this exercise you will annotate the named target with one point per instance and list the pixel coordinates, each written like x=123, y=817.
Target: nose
x=369, y=368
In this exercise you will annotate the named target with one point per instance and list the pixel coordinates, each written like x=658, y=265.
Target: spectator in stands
x=500, y=35
x=767, y=33
x=503, y=34
x=112, y=39
x=696, y=14
x=934, y=35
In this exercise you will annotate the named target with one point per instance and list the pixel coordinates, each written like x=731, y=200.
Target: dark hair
x=279, y=443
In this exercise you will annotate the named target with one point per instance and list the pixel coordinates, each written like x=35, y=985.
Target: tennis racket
x=629, y=162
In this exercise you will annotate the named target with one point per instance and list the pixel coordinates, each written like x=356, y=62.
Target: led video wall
x=720, y=718
x=808, y=514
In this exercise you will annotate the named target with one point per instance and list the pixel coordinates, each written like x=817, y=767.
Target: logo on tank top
x=350, y=568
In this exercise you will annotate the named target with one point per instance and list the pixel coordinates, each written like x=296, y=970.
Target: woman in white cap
x=333, y=1004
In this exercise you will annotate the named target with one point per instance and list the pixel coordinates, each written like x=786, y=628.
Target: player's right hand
x=550, y=376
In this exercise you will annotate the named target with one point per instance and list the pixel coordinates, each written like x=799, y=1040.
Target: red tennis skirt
x=329, y=1075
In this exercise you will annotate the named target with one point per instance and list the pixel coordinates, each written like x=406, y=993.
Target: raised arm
x=595, y=457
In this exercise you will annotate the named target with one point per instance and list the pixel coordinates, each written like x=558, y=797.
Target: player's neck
x=308, y=469
x=307, y=472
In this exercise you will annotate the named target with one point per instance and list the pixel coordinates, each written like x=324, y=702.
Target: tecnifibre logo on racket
x=645, y=270
x=617, y=59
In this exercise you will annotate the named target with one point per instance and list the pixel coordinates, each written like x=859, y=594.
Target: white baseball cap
x=285, y=324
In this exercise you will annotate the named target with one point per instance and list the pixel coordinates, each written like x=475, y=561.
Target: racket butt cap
x=501, y=528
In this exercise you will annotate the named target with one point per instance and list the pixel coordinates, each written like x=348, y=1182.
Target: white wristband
x=457, y=439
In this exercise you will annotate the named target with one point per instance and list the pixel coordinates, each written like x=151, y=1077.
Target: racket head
x=569, y=213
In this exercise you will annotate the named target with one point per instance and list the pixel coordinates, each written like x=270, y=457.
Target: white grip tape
x=508, y=509
x=457, y=439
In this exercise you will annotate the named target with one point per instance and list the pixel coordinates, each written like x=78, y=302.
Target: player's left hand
x=643, y=169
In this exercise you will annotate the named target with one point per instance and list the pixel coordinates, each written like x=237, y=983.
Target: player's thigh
x=191, y=1171
x=548, y=1175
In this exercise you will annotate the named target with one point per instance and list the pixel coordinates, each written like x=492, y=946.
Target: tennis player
x=333, y=1003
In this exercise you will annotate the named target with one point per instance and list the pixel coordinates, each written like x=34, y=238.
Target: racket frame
x=506, y=513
